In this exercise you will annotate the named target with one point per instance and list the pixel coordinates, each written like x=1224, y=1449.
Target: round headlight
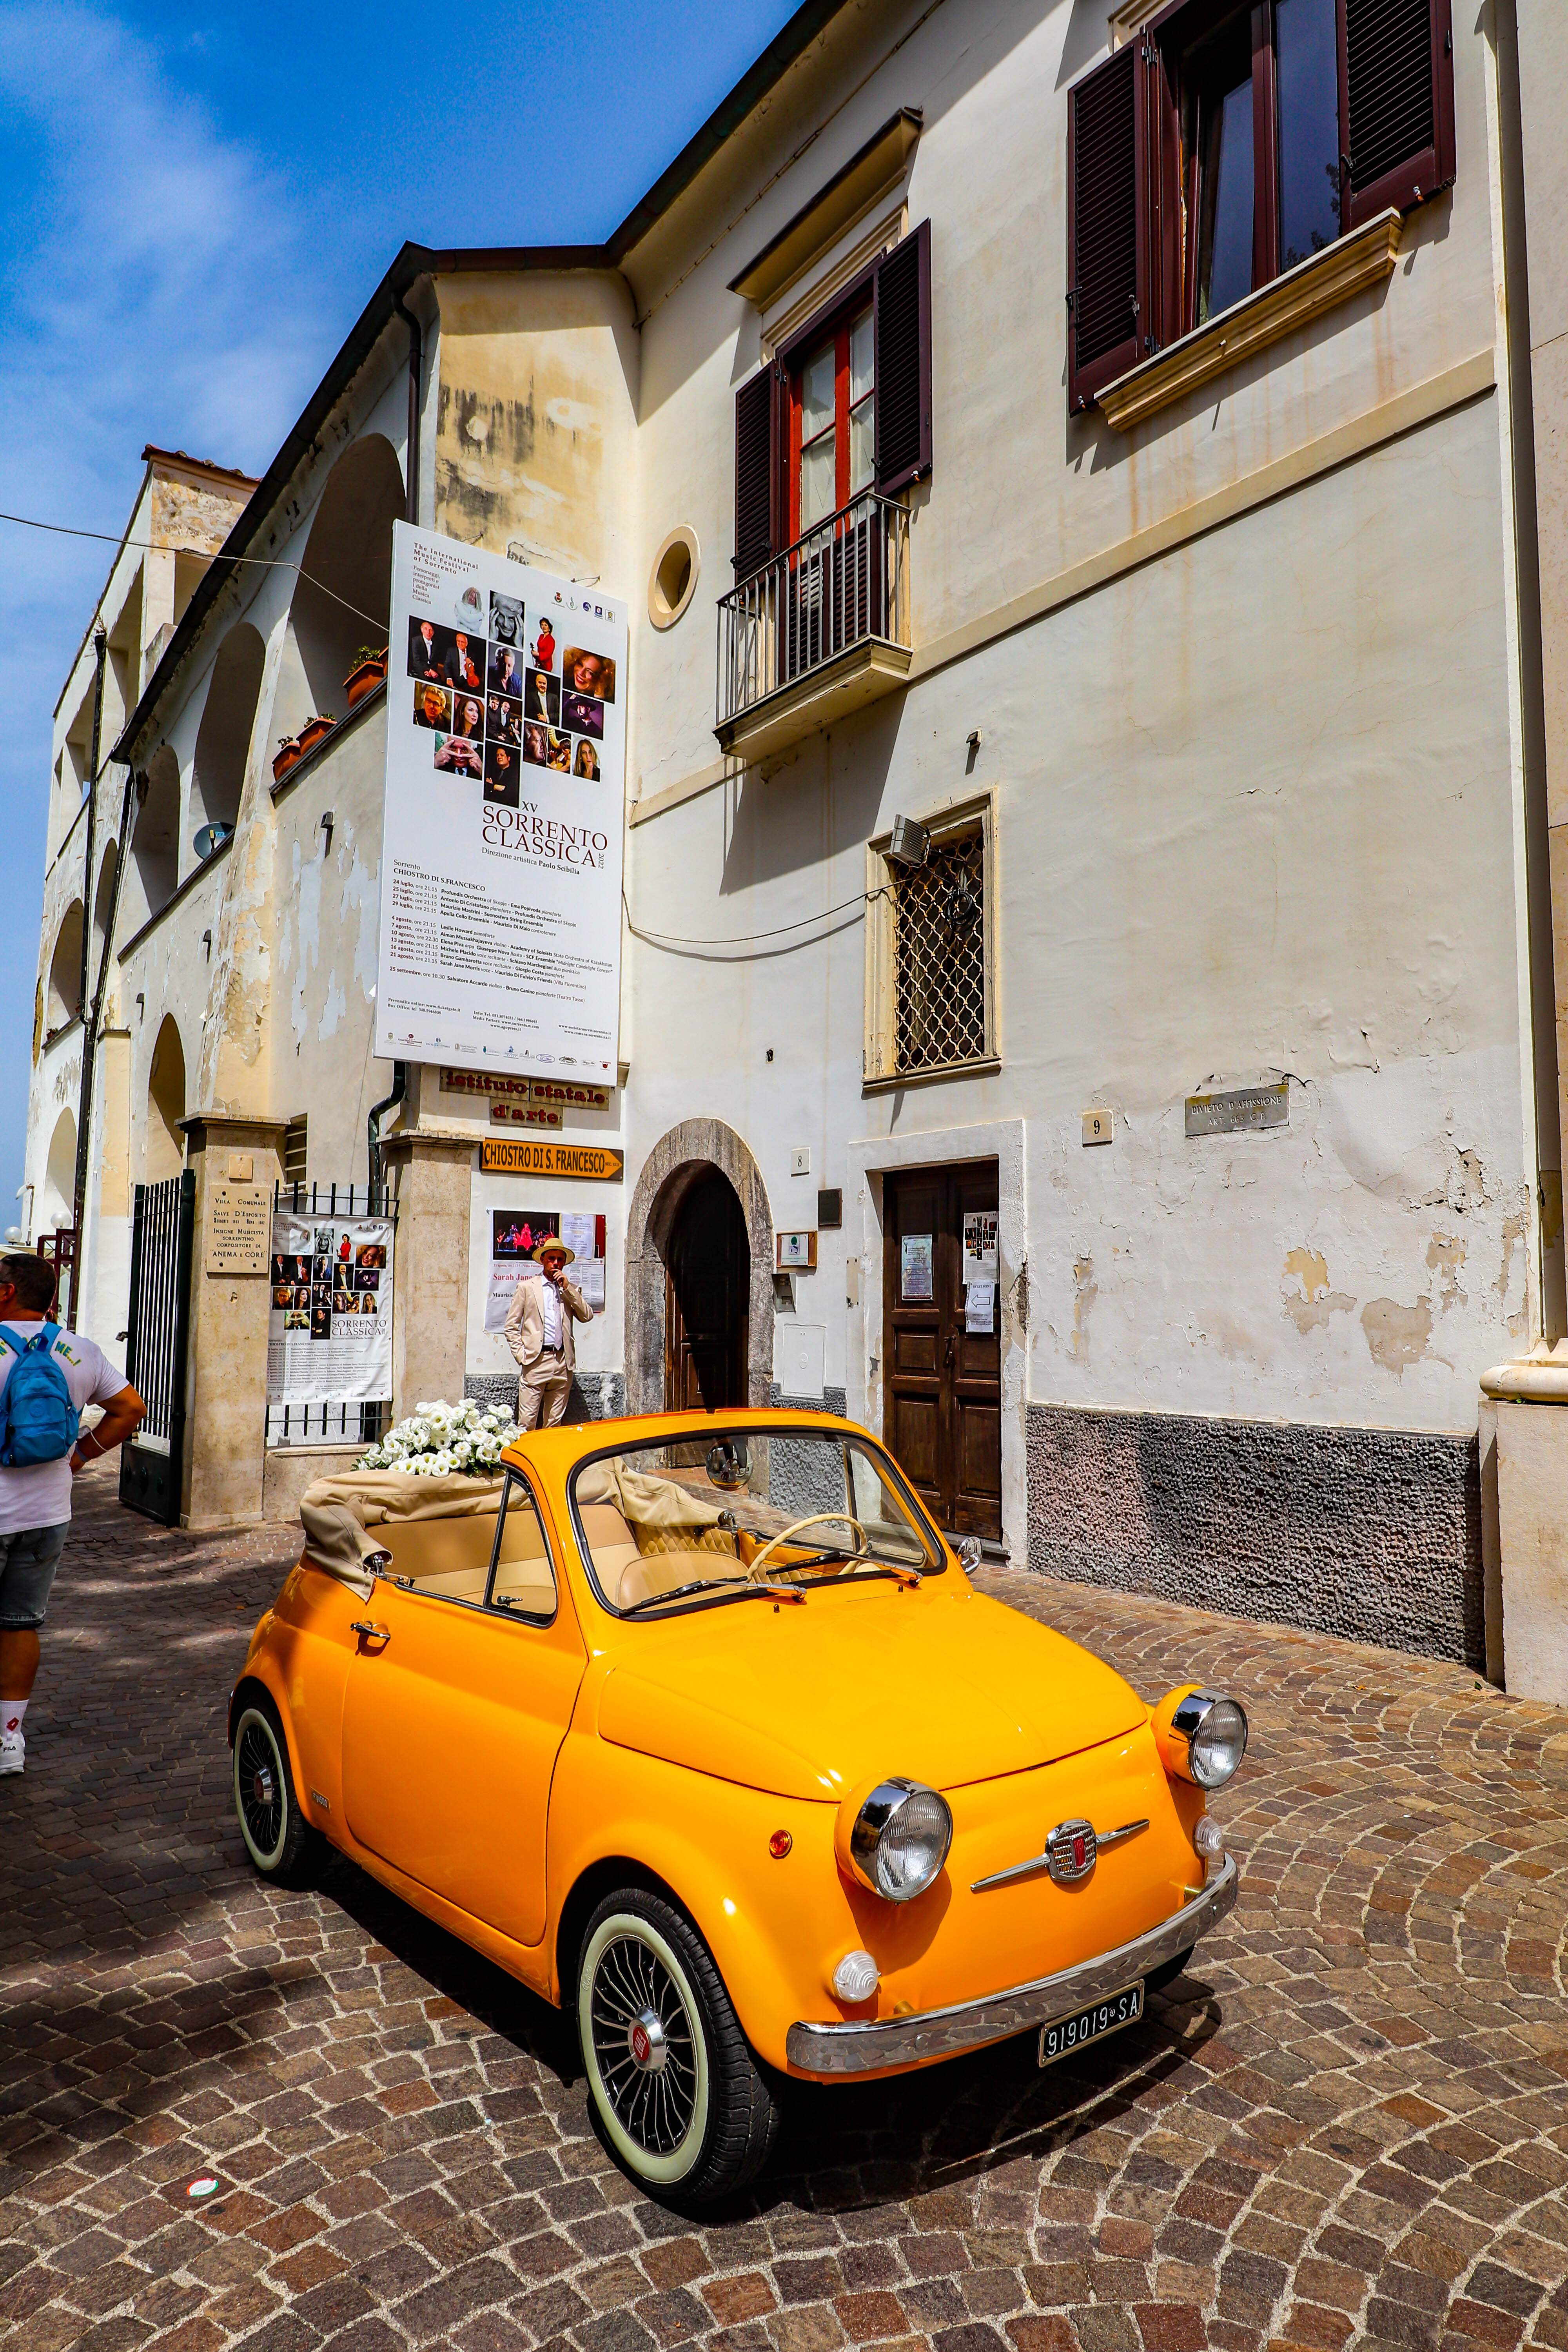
x=1209, y=1733
x=900, y=1839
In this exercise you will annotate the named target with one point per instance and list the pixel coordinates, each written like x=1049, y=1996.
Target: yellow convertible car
x=706, y=1733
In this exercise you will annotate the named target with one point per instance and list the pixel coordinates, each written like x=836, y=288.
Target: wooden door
x=707, y=1299
x=942, y=1382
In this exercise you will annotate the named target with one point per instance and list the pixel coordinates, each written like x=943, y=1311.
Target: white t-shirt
x=39, y=1495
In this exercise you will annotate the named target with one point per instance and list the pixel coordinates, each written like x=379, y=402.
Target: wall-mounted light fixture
x=909, y=843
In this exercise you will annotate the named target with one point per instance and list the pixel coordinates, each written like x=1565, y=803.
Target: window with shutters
x=930, y=952
x=828, y=437
x=1226, y=145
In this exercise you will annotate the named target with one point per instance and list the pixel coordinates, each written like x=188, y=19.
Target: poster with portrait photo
x=327, y=1343
x=585, y=760
x=528, y=983
x=506, y=619
x=515, y=1234
x=469, y=716
x=428, y=646
x=587, y=672
x=455, y=755
x=583, y=715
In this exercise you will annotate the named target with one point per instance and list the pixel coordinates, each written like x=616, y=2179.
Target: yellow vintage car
x=707, y=1735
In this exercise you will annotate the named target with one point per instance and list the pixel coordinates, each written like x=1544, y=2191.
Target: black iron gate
x=161, y=1237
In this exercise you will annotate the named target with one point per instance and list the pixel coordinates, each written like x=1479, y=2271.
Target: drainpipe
x=88, y=1011
x=415, y=361
x=372, y=1125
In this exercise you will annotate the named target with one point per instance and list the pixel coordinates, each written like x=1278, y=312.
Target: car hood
x=947, y=1687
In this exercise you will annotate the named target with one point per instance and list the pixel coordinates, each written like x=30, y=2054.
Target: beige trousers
x=543, y=1391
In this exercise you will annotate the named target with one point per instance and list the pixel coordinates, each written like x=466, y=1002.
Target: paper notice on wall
x=500, y=892
x=577, y=1232
x=587, y=1278
x=979, y=1245
x=980, y=1307
x=915, y=1284
x=329, y=1336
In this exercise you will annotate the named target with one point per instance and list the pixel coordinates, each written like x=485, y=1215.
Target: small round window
x=673, y=578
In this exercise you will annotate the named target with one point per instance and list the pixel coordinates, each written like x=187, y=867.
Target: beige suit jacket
x=525, y=1320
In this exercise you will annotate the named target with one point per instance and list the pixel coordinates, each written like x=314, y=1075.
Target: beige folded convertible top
x=337, y=1515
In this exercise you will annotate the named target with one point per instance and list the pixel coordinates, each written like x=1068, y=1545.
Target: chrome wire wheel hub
x=643, y=2046
x=257, y=1786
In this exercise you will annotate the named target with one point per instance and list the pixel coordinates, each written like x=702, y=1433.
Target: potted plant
x=283, y=759
x=369, y=670
x=312, y=732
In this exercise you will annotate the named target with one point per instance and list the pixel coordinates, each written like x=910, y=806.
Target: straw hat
x=553, y=1246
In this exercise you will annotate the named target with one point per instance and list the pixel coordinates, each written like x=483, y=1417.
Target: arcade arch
x=165, y=1105
x=56, y=1206
x=699, y=1257
x=228, y=721
x=343, y=594
x=65, y=970
x=155, y=838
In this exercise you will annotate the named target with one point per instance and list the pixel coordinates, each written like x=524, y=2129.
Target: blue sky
x=197, y=201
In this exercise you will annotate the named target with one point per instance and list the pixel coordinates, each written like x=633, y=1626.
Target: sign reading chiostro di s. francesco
x=501, y=869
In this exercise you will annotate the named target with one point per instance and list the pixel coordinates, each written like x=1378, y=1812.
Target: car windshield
x=740, y=1512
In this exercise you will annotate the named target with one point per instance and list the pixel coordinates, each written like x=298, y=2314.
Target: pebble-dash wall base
x=1371, y=1534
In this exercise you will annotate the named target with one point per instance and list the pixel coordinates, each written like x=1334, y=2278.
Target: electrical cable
x=751, y=939
x=156, y=546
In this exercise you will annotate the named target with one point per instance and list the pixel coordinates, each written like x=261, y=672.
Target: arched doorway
x=707, y=1281
x=675, y=1227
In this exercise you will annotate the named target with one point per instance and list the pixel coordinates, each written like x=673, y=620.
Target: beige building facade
x=1194, y=627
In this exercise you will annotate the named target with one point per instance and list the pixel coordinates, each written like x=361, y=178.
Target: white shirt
x=552, y=1303
x=39, y=1495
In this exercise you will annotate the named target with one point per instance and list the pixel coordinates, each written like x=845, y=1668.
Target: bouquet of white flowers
x=438, y=1440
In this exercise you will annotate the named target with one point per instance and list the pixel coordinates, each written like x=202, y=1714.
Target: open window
x=1224, y=144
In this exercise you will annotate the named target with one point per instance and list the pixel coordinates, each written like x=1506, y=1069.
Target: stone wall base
x=288, y=1470
x=603, y=1393
x=1371, y=1534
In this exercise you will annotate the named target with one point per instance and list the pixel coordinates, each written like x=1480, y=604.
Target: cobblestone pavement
x=1347, y=2125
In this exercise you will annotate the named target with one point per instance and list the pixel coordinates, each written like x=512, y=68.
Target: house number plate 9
x=1067, y=2034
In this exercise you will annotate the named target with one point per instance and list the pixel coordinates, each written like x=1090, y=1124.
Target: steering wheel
x=815, y=1520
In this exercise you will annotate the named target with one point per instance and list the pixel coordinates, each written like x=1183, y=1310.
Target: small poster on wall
x=979, y=1245
x=329, y=1339
x=915, y=1285
x=516, y=1234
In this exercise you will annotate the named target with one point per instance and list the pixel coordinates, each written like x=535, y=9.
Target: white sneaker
x=13, y=1751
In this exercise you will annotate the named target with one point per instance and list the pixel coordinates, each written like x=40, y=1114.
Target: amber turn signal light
x=780, y=1844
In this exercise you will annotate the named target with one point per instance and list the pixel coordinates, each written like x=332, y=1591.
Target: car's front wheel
x=681, y=2099
x=277, y=1836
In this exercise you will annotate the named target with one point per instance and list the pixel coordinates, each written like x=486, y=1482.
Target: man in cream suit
x=539, y=1333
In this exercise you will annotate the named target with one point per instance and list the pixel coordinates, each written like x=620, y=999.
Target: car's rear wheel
x=277, y=1836
x=672, y=2078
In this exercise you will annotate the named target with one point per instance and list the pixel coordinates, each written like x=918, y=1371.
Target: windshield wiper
x=859, y=1561
x=744, y=1591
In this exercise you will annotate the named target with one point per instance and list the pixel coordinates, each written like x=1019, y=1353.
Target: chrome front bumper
x=864, y=2045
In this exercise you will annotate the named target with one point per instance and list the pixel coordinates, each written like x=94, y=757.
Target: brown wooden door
x=942, y=1382
x=707, y=1298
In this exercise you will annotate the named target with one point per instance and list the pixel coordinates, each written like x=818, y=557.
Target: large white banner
x=500, y=867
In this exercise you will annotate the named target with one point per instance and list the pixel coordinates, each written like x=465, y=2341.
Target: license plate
x=1108, y=2016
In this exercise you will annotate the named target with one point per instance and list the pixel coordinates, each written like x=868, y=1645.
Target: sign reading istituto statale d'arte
x=500, y=899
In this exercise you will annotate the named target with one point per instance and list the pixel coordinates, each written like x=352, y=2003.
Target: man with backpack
x=47, y=1376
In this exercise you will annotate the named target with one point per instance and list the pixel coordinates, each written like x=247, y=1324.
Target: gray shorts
x=28, y=1560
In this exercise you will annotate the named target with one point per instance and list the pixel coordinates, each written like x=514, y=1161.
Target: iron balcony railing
x=845, y=583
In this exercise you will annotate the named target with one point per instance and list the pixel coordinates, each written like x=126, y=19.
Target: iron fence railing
x=845, y=581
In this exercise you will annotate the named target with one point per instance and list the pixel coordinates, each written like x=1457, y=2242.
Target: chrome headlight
x=900, y=1839
x=1205, y=1735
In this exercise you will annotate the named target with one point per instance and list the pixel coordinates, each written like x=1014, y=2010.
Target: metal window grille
x=939, y=956
x=340, y=1423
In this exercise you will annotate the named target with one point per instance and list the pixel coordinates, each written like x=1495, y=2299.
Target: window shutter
x=756, y=474
x=1396, y=104
x=1107, y=243
x=901, y=327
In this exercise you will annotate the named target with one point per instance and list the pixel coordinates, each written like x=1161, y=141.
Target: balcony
x=818, y=631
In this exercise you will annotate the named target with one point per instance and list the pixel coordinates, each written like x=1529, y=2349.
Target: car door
x=455, y=1712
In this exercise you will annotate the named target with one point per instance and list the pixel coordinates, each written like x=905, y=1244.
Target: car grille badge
x=1071, y=1852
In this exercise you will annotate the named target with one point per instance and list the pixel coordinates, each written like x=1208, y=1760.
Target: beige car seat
x=626, y=1575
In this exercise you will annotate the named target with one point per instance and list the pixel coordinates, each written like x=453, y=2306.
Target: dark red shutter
x=901, y=327
x=1396, y=104
x=756, y=474
x=1108, y=256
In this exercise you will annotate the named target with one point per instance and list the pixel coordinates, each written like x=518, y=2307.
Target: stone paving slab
x=1347, y=2125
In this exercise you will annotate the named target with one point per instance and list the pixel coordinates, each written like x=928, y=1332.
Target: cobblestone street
x=1346, y=2125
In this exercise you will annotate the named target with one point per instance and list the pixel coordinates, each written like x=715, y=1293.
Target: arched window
x=223, y=741
x=154, y=840
x=343, y=594
x=57, y=1205
x=165, y=1105
x=65, y=970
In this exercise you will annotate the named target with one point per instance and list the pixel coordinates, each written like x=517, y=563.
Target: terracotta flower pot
x=360, y=681
x=312, y=732
x=283, y=759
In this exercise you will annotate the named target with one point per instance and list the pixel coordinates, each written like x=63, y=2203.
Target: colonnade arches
x=57, y=1202
x=228, y=721
x=155, y=840
x=165, y=1104
x=344, y=596
x=64, y=984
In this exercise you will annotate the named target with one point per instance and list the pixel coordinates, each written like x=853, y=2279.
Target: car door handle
x=368, y=1625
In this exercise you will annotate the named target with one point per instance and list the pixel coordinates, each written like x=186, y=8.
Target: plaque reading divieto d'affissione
x=1244, y=1111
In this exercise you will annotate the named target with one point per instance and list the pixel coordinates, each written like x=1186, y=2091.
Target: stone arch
x=102, y=900
x=58, y=1206
x=155, y=838
x=228, y=721
x=165, y=1104
x=679, y=1156
x=65, y=970
x=343, y=594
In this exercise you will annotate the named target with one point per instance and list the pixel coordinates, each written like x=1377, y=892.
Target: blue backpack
x=39, y=1422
